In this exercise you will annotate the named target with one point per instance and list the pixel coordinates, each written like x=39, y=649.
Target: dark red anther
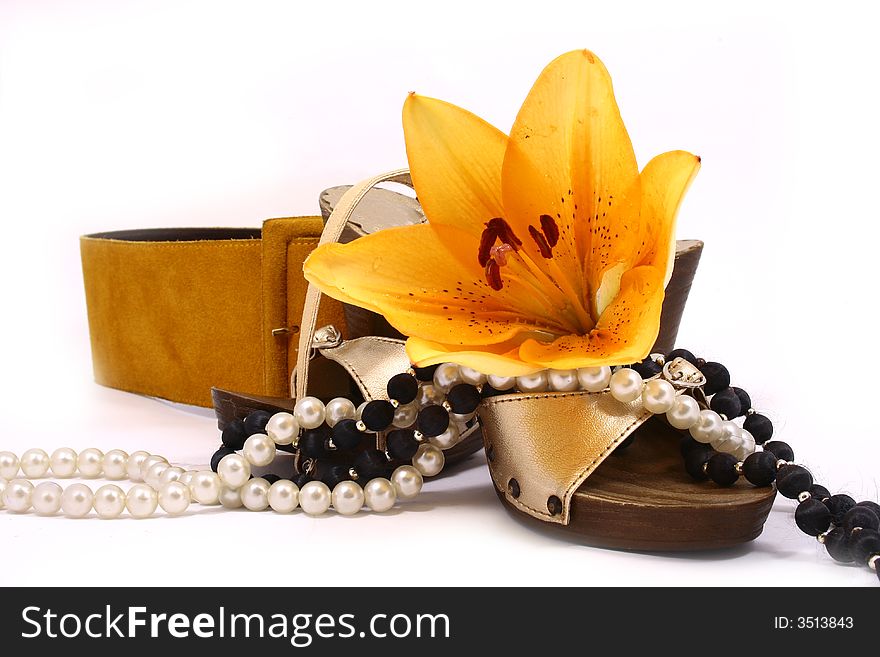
x=504, y=232
x=550, y=229
x=487, y=241
x=541, y=241
x=493, y=275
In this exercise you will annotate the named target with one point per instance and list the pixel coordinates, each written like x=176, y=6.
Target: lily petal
x=455, y=162
x=665, y=179
x=569, y=157
x=625, y=333
x=408, y=275
x=502, y=359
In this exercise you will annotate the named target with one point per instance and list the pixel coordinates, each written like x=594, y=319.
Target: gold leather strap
x=173, y=312
x=332, y=231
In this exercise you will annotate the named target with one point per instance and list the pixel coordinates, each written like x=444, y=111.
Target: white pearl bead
x=77, y=500
x=626, y=385
x=259, y=449
x=135, y=464
x=379, y=495
x=90, y=462
x=186, y=478
x=501, y=382
x=34, y=463
x=472, y=376
x=708, y=427
x=171, y=474
x=536, y=382
x=115, y=464
x=282, y=428
x=684, y=413
x=255, y=494
x=405, y=415
x=283, y=496
x=314, y=498
x=234, y=470
x=563, y=380
x=407, y=482
x=446, y=376
x=658, y=396
x=429, y=394
x=428, y=460
x=340, y=409
x=310, y=412
x=594, y=379
x=149, y=462
x=17, y=496
x=360, y=410
x=728, y=440
x=63, y=462
x=46, y=498
x=206, y=486
x=448, y=438
x=462, y=418
x=347, y=498
x=141, y=501
x=746, y=445
x=230, y=498
x=154, y=473
x=109, y=501
x=8, y=465
x=174, y=498
x=3, y=483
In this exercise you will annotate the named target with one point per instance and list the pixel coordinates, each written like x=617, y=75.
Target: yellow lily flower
x=544, y=249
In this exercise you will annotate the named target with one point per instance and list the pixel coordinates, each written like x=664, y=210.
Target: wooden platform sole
x=642, y=499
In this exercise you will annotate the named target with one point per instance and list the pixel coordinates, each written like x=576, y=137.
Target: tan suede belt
x=175, y=312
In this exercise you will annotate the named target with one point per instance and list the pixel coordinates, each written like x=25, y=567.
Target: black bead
x=792, y=480
x=332, y=474
x=425, y=373
x=819, y=492
x=647, y=368
x=218, y=456
x=403, y=388
x=745, y=402
x=313, y=444
x=812, y=517
x=717, y=377
x=726, y=403
x=463, y=398
x=760, y=427
x=837, y=545
x=271, y=478
x=346, y=434
x=694, y=462
x=859, y=516
x=234, y=435
x=401, y=444
x=369, y=464
x=721, y=469
x=256, y=422
x=301, y=479
x=838, y=505
x=863, y=544
x=780, y=449
x=759, y=468
x=687, y=445
x=378, y=415
x=433, y=420
x=681, y=353
x=871, y=505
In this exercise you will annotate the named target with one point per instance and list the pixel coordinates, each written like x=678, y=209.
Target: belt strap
x=175, y=311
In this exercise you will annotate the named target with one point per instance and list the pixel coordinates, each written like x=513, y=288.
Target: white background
x=127, y=114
